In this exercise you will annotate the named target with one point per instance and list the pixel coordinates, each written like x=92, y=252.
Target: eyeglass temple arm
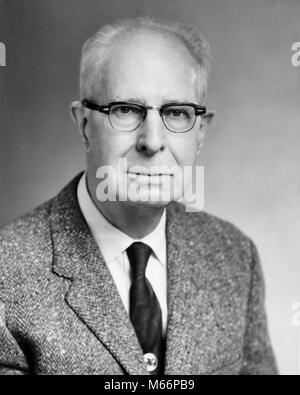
x=93, y=106
x=201, y=110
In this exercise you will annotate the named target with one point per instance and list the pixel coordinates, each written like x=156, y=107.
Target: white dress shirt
x=113, y=244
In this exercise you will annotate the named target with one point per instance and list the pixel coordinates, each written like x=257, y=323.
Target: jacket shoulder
x=211, y=224
x=217, y=236
x=25, y=229
x=24, y=246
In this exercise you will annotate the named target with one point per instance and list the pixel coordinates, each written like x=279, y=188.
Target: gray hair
x=95, y=51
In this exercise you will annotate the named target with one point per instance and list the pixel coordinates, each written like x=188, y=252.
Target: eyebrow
x=130, y=99
x=141, y=101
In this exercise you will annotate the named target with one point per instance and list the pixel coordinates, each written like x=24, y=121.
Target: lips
x=150, y=174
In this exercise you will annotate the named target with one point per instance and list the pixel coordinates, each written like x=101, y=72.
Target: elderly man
x=134, y=284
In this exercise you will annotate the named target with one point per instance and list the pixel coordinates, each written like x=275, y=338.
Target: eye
x=125, y=109
x=176, y=113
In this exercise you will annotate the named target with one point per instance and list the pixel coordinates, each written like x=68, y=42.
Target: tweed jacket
x=60, y=311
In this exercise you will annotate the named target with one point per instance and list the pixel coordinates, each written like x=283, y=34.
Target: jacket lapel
x=92, y=295
x=192, y=299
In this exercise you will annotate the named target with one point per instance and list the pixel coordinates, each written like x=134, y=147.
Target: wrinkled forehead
x=137, y=59
x=151, y=44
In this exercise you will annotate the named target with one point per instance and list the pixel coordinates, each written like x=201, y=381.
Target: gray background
x=251, y=156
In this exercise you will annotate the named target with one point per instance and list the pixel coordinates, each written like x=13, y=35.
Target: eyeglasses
x=127, y=117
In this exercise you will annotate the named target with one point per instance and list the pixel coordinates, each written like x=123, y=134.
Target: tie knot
x=138, y=255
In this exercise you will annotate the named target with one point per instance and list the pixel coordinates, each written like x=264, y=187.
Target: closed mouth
x=150, y=174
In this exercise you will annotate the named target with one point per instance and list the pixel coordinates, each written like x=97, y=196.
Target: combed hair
x=96, y=50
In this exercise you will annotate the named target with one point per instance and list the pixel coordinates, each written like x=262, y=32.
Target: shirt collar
x=112, y=241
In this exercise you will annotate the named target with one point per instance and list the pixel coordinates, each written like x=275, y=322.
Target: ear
x=205, y=124
x=79, y=117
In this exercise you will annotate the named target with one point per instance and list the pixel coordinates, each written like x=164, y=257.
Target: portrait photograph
x=150, y=190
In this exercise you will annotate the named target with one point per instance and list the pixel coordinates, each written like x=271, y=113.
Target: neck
x=135, y=220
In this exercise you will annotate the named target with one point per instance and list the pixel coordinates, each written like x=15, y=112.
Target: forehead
x=151, y=67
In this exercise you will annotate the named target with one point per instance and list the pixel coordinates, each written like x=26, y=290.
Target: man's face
x=153, y=71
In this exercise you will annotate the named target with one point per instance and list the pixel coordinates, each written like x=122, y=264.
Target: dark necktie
x=145, y=311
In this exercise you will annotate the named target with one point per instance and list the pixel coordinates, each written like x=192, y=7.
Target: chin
x=159, y=199
x=149, y=204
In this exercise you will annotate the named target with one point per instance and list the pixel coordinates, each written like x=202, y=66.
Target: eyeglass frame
x=105, y=109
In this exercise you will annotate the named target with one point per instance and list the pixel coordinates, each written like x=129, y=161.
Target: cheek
x=184, y=148
x=107, y=145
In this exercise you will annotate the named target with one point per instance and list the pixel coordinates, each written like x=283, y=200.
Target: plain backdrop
x=251, y=158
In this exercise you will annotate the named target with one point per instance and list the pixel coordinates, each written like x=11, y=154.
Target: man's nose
x=152, y=134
